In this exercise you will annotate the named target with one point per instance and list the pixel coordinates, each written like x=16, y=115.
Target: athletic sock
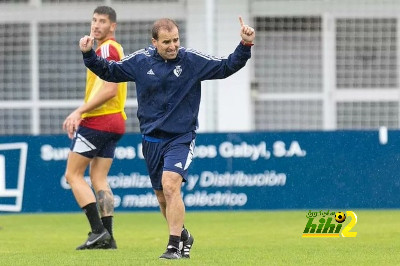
x=108, y=223
x=184, y=234
x=93, y=217
x=174, y=241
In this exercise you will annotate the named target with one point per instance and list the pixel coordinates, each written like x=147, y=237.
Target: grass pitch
x=221, y=238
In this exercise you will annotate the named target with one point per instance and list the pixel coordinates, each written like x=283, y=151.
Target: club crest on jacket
x=177, y=71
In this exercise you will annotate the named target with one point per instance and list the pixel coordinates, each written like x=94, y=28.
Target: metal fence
x=317, y=65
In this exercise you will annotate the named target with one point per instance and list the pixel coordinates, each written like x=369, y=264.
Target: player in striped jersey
x=95, y=129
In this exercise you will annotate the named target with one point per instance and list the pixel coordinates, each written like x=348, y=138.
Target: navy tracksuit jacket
x=168, y=91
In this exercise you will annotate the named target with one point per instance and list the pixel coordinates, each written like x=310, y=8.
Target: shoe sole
x=109, y=245
x=170, y=258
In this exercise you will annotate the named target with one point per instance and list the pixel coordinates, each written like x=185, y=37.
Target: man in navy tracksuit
x=168, y=83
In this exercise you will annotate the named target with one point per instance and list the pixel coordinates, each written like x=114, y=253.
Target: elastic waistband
x=151, y=139
x=159, y=136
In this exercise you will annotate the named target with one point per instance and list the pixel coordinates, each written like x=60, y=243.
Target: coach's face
x=167, y=43
x=102, y=28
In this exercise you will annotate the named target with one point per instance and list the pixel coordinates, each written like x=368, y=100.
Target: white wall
x=213, y=27
x=234, y=102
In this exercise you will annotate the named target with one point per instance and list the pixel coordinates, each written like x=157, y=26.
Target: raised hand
x=246, y=32
x=86, y=43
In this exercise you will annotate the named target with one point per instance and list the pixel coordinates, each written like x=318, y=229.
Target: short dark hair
x=106, y=10
x=165, y=24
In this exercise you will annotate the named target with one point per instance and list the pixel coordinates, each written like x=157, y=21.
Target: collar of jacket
x=158, y=57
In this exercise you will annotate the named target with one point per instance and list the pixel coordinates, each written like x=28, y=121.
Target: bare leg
x=161, y=202
x=76, y=167
x=175, y=208
x=99, y=169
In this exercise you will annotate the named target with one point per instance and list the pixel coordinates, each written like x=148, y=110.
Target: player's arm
x=121, y=71
x=106, y=70
x=109, y=71
x=211, y=67
x=107, y=92
x=73, y=120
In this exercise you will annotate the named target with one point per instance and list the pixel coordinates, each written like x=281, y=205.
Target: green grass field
x=221, y=238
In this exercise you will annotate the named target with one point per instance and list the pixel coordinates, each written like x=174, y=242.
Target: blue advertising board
x=230, y=171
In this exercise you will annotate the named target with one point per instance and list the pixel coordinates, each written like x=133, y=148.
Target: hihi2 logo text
x=330, y=224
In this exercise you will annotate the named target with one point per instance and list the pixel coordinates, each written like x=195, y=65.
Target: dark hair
x=106, y=10
x=165, y=24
